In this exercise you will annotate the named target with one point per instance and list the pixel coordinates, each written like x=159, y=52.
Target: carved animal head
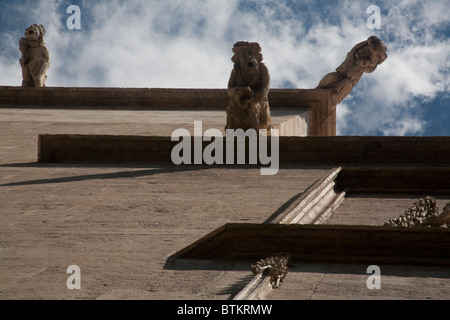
x=375, y=44
x=247, y=55
x=35, y=32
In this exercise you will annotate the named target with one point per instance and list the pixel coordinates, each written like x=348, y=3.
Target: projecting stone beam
x=151, y=98
x=324, y=243
x=322, y=113
x=334, y=151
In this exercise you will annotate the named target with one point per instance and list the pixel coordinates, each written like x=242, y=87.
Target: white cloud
x=405, y=126
x=342, y=114
x=389, y=101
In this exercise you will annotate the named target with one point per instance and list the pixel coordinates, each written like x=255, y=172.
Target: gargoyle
x=35, y=59
x=364, y=57
x=248, y=87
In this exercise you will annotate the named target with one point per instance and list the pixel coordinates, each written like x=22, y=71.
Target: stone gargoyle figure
x=35, y=59
x=364, y=57
x=248, y=87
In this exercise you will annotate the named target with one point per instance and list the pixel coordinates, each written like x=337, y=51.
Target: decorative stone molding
x=424, y=212
x=275, y=265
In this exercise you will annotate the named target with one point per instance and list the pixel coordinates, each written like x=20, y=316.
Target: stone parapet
x=322, y=114
x=319, y=151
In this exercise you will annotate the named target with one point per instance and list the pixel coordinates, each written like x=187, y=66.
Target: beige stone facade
x=125, y=224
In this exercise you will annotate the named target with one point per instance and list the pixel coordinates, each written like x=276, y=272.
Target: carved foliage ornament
x=424, y=212
x=275, y=265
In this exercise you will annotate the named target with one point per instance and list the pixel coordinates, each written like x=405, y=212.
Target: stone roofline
x=322, y=113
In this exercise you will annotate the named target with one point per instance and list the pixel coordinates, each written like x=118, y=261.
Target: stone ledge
x=381, y=179
x=322, y=118
x=333, y=151
x=150, y=98
x=324, y=243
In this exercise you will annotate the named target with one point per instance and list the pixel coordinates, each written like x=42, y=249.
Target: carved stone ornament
x=276, y=266
x=35, y=59
x=424, y=212
x=364, y=57
x=441, y=220
x=248, y=88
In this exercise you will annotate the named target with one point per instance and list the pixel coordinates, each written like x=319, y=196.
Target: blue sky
x=187, y=44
